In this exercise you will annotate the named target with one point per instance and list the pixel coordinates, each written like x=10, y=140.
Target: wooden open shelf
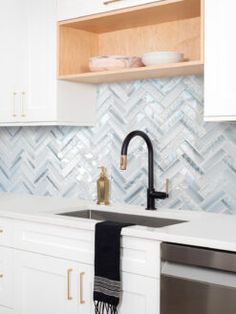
x=172, y=25
x=177, y=69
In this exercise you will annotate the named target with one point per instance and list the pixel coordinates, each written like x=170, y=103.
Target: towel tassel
x=104, y=308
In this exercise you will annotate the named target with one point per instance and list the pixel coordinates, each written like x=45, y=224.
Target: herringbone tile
x=199, y=158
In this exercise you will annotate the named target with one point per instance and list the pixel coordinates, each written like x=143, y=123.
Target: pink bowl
x=108, y=63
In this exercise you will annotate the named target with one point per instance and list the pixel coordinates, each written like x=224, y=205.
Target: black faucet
x=151, y=193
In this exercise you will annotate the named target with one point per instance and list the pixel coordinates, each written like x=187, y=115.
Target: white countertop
x=200, y=229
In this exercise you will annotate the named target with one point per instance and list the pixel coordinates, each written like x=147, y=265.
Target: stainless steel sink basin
x=133, y=219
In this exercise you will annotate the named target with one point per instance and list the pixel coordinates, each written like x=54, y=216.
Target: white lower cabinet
x=140, y=295
x=49, y=270
x=47, y=285
x=6, y=279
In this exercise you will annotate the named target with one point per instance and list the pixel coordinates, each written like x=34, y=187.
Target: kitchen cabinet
x=53, y=270
x=220, y=61
x=13, y=26
x=70, y=9
x=30, y=93
x=158, y=26
x=38, y=101
x=139, y=295
x=6, y=278
x=49, y=285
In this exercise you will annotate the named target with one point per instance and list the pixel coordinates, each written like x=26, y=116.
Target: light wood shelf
x=172, y=25
x=177, y=69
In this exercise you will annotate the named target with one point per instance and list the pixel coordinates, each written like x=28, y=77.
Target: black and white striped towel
x=107, y=284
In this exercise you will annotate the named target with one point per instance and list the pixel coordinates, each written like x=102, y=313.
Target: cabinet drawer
x=5, y=232
x=138, y=256
x=73, y=244
x=6, y=278
x=70, y=9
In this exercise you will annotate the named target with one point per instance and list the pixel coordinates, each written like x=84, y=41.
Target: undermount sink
x=124, y=218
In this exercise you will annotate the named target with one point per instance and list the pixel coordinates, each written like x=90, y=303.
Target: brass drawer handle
x=110, y=1
x=82, y=301
x=69, y=297
x=23, y=104
x=14, y=94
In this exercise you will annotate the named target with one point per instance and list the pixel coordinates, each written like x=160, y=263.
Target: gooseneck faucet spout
x=151, y=193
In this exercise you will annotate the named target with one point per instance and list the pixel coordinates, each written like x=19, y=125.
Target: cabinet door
x=220, y=61
x=12, y=37
x=69, y=9
x=38, y=103
x=45, y=285
x=6, y=278
x=50, y=285
x=140, y=295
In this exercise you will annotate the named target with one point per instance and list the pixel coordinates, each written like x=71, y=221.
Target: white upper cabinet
x=220, y=60
x=38, y=103
x=30, y=93
x=70, y=9
x=13, y=33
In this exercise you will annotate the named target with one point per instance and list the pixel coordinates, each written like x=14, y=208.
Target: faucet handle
x=167, y=183
x=123, y=162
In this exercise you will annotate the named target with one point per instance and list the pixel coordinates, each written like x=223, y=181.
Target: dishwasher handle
x=197, y=274
x=202, y=257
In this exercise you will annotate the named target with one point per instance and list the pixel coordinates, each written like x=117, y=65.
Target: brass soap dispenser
x=103, y=188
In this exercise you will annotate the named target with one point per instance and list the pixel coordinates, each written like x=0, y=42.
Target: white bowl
x=156, y=58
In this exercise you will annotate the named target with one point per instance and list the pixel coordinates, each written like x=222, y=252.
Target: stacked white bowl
x=156, y=58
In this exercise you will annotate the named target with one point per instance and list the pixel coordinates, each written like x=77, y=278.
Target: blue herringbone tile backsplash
x=199, y=158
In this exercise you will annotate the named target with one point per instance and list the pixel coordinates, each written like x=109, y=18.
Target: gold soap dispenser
x=103, y=188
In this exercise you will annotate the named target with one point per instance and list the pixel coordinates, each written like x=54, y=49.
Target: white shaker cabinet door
x=70, y=9
x=48, y=285
x=45, y=285
x=140, y=295
x=38, y=103
x=6, y=279
x=13, y=33
x=220, y=60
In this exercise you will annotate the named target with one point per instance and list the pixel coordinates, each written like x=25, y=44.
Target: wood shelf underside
x=169, y=70
x=138, y=16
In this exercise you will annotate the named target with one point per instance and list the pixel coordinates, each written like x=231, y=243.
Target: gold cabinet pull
x=14, y=104
x=110, y=1
x=1, y=275
x=23, y=104
x=69, y=271
x=82, y=301
x=1, y=231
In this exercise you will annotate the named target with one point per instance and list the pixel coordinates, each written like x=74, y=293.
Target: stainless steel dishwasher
x=197, y=280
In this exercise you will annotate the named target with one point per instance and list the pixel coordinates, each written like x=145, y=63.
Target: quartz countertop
x=203, y=229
